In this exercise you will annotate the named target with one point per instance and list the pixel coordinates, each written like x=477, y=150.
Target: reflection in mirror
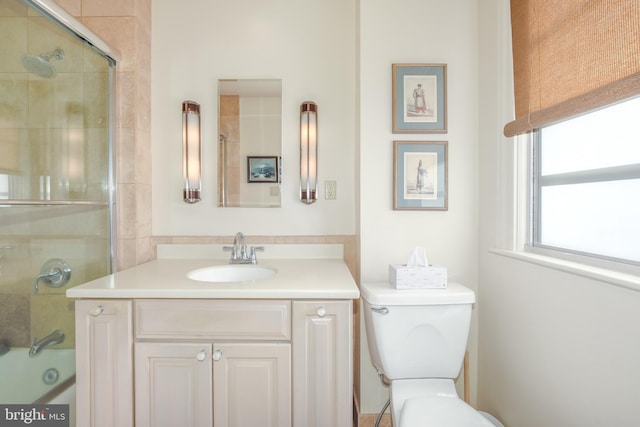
x=250, y=130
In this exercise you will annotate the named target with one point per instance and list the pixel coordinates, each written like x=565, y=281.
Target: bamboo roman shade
x=572, y=56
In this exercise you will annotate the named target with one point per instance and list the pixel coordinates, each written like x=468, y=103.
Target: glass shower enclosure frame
x=57, y=189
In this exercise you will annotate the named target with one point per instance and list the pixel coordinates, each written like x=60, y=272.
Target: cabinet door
x=104, y=363
x=252, y=384
x=173, y=384
x=322, y=363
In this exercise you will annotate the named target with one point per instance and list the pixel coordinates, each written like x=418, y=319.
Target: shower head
x=40, y=65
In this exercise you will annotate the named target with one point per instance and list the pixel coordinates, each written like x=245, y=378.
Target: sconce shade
x=191, y=151
x=308, y=152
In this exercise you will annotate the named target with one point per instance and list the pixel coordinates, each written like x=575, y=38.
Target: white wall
x=310, y=45
x=416, y=31
x=555, y=349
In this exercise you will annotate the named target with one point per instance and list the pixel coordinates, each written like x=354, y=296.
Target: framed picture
x=419, y=98
x=420, y=175
x=262, y=169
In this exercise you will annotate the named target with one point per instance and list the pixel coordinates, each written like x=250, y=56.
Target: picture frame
x=420, y=175
x=262, y=169
x=419, y=98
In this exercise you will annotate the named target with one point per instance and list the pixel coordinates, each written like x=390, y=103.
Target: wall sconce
x=308, y=152
x=191, y=151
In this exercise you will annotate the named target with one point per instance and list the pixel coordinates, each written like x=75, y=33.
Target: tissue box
x=405, y=277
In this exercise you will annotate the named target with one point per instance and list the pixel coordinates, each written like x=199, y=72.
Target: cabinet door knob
x=202, y=354
x=97, y=311
x=321, y=311
x=217, y=355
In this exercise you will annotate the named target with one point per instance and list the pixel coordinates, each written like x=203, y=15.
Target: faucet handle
x=254, y=259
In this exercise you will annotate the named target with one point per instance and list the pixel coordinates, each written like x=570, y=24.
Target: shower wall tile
x=119, y=32
x=127, y=108
x=95, y=102
x=144, y=250
x=127, y=211
x=12, y=8
x=126, y=155
x=143, y=202
x=110, y=8
x=126, y=25
x=127, y=253
x=44, y=37
x=14, y=106
x=11, y=145
x=15, y=320
x=54, y=103
x=97, y=163
x=143, y=151
x=77, y=221
x=13, y=223
x=73, y=7
x=13, y=43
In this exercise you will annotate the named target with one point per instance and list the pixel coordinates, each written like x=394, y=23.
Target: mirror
x=249, y=142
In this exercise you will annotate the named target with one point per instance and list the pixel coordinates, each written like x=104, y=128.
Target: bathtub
x=28, y=380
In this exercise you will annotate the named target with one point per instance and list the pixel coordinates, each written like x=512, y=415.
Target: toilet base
x=414, y=400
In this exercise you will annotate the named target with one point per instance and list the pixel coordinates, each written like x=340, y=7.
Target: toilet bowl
x=417, y=339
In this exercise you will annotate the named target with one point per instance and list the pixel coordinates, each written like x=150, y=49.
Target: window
x=586, y=185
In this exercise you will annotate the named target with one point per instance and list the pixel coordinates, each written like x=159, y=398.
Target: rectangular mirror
x=249, y=142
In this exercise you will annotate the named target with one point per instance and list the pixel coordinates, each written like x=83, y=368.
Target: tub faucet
x=239, y=253
x=55, y=337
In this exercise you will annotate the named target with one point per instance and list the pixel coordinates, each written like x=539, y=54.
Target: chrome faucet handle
x=54, y=273
x=254, y=259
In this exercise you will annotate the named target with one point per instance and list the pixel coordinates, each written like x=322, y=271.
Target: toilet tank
x=419, y=333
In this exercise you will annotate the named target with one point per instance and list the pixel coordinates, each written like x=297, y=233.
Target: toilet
x=417, y=339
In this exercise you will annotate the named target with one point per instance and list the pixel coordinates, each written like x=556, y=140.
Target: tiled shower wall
x=126, y=26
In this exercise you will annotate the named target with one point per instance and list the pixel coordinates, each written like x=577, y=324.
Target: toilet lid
x=440, y=412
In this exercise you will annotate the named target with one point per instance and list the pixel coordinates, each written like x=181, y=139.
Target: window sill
x=624, y=280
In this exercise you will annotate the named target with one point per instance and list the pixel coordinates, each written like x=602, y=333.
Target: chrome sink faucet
x=55, y=337
x=239, y=251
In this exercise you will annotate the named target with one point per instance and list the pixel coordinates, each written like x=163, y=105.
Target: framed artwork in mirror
x=262, y=169
x=419, y=98
x=420, y=175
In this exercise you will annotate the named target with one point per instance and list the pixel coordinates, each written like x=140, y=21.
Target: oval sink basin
x=231, y=273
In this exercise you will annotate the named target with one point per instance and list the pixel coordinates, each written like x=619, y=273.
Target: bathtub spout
x=55, y=337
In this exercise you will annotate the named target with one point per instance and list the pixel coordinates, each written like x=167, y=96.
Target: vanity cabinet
x=104, y=363
x=322, y=363
x=220, y=362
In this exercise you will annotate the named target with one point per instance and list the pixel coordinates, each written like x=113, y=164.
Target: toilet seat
x=440, y=412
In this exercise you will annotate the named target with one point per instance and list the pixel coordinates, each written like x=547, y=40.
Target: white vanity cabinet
x=226, y=361
x=220, y=362
x=322, y=363
x=104, y=363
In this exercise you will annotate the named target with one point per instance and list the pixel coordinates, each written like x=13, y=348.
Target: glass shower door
x=55, y=194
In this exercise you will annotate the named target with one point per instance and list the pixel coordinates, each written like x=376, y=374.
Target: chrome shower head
x=40, y=65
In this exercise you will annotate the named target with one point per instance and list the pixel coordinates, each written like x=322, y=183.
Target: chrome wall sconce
x=191, y=152
x=308, y=152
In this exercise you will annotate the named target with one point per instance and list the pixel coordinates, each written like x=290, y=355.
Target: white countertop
x=296, y=278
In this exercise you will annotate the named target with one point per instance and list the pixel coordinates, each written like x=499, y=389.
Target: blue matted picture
x=262, y=169
x=419, y=98
x=420, y=175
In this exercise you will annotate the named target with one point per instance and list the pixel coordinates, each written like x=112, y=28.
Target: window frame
x=535, y=182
